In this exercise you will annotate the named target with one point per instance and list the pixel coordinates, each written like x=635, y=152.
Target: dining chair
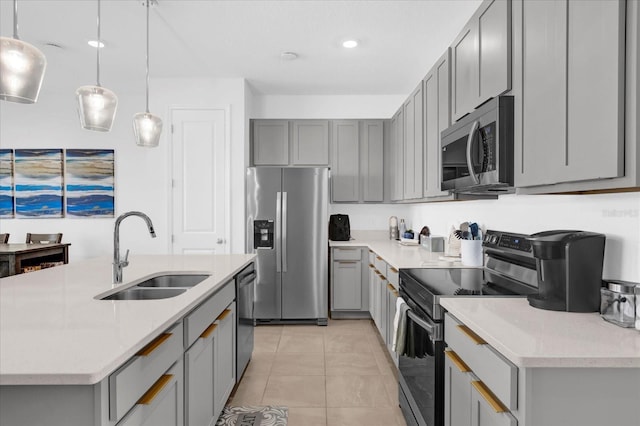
x=43, y=238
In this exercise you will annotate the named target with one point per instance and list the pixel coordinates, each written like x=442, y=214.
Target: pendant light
x=96, y=104
x=147, y=127
x=22, y=67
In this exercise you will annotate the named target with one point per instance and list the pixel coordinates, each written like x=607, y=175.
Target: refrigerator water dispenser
x=263, y=234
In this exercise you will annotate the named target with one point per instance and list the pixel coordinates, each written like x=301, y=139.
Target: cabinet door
x=162, y=405
x=372, y=292
x=494, y=49
x=397, y=151
x=413, y=141
x=347, y=285
x=270, y=142
x=391, y=314
x=457, y=391
x=345, y=165
x=372, y=161
x=199, y=362
x=464, y=70
x=382, y=306
x=485, y=411
x=310, y=142
x=224, y=373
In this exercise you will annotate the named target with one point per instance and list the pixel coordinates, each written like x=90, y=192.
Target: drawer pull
x=391, y=288
x=347, y=249
x=394, y=270
x=223, y=315
x=488, y=396
x=395, y=293
x=455, y=359
x=471, y=335
x=154, y=390
x=209, y=330
x=371, y=265
x=147, y=350
x=347, y=262
x=379, y=258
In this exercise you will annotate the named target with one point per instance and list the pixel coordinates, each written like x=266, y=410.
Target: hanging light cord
x=15, y=20
x=98, y=50
x=147, y=98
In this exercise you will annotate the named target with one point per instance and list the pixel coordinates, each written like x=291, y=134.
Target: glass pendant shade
x=22, y=67
x=96, y=107
x=147, y=129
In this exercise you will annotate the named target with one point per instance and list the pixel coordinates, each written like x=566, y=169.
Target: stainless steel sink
x=145, y=293
x=164, y=281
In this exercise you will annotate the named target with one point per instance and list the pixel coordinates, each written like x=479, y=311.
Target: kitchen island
x=57, y=336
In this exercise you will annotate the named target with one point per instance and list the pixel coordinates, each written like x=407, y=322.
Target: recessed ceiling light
x=95, y=43
x=288, y=56
x=350, y=44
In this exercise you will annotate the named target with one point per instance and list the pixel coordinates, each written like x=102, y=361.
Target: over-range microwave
x=477, y=151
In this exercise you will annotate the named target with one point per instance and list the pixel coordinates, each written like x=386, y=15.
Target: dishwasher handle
x=246, y=279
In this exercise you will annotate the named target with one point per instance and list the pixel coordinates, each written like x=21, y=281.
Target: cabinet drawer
x=346, y=253
x=198, y=320
x=485, y=409
x=393, y=276
x=380, y=265
x=134, y=378
x=500, y=375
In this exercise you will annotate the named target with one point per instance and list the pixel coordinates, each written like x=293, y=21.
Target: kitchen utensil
x=618, y=303
x=394, y=233
x=473, y=228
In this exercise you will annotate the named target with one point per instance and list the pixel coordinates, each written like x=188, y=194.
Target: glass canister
x=618, y=302
x=638, y=307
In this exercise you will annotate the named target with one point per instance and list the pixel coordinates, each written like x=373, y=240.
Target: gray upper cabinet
x=481, y=57
x=310, y=143
x=270, y=142
x=570, y=71
x=345, y=164
x=290, y=143
x=437, y=117
x=413, y=144
x=397, y=156
x=357, y=161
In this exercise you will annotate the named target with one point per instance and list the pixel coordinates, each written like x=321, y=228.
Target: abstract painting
x=6, y=183
x=89, y=181
x=38, y=183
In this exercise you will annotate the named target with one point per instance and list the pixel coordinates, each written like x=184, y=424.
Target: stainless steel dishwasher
x=245, y=287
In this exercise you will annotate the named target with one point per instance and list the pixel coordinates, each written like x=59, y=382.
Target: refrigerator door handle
x=284, y=232
x=278, y=228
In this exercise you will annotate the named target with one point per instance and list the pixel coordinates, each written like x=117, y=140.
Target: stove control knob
x=494, y=239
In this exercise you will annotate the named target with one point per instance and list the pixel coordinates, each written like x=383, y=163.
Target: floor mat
x=253, y=416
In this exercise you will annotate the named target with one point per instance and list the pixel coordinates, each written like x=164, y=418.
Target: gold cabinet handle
x=394, y=270
x=457, y=361
x=371, y=265
x=347, y=262
x=209, y=330
x=347, y=249
x=396, y=294
x=223, y=315
x=155, y=343
x=471, y=335
x=391, y=288
x=379, y=258
x=488, y=396
x=154, y=390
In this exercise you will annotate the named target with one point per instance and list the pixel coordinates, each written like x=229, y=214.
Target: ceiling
x=399, y=41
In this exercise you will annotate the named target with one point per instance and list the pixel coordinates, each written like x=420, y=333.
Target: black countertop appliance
x=569, y=267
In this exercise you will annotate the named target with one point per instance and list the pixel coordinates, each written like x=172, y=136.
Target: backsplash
x=615, y=215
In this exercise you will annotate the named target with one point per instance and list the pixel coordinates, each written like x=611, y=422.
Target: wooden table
x=14, y=258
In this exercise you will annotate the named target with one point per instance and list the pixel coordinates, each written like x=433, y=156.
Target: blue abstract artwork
x=38, y=183
x=6, y=183
x=89, y=181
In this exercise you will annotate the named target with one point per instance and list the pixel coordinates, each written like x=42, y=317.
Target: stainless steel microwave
x=477, y=151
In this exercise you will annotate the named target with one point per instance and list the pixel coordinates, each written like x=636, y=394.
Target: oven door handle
x=472, y=173
x=434, y=330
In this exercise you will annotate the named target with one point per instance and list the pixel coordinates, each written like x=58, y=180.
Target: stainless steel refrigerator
x=287, y=227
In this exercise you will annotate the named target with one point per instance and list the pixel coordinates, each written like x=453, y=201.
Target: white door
x=200, y=196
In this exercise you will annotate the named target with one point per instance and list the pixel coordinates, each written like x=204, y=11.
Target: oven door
x=422, y=374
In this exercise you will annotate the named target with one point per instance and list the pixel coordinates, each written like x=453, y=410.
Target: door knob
x=220, y=241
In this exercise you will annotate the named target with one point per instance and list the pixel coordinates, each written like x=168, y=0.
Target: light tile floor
x=339, y=375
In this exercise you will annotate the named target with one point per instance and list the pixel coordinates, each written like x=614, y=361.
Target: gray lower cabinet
x=413, y=145
x=349, y=282
x=457, y=397
x=225, y=358
x=392, y=296
x=570, y=71
x=481, y=57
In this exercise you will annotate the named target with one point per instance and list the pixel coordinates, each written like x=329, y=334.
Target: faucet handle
x=125, y=262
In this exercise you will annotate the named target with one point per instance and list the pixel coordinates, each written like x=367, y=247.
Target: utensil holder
x=471, y=252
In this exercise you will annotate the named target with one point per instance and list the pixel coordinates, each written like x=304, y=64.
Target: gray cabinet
x=310, y=143
x=437, y=117
x=224, y=372
x=485, y=411
x=349, y=291
x=357, y=161
x=571, y=79
x=270, y=142
x=392, y=296
x=457, y=396
x=396, y=162
x=413, y=144
x=290, y=142
x=199, y=362
x=481, y=57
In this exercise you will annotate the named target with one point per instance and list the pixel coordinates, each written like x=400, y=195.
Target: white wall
x=363, y=217
x=615, y=215
x=142, y=174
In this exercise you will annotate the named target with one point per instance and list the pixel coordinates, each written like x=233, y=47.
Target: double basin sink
x=161, y=286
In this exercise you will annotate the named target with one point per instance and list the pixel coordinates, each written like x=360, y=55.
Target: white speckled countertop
x=397, y=255
x=531, y=337
x=53, y=331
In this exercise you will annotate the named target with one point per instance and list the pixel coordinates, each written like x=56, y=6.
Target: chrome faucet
x=117, y=263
